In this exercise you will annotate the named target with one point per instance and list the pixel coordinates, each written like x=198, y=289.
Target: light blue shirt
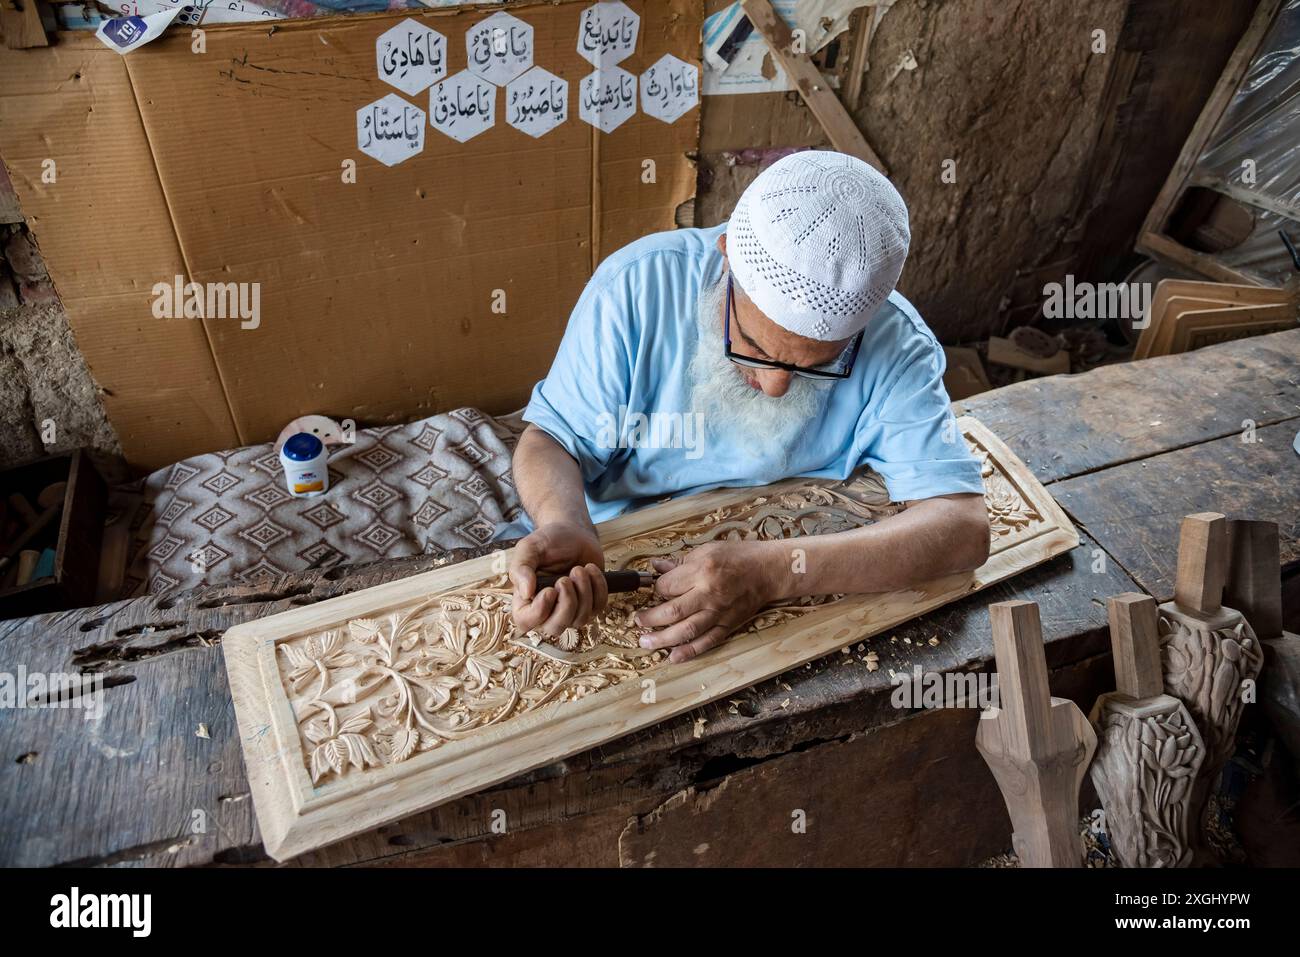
x=627, y=347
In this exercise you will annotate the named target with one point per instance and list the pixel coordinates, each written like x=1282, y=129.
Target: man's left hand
x=711, y=593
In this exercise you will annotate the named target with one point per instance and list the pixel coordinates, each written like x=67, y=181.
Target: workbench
x=1128, y=450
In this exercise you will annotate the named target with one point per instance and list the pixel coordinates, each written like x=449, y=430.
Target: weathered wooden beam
x=808, y=80
x=20, y=22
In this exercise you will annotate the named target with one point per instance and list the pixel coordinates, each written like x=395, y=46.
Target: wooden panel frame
x=1152, y=239
x=296, y=815
x=1168, y=290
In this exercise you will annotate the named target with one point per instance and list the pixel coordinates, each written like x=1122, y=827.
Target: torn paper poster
x=236, y=11
x=823, y=20
x=736, y=57
x=206, y=11
x=124, y=34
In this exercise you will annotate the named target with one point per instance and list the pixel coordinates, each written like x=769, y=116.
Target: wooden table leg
x=1210, y=654
x=1037, y=746
x=1149, y=751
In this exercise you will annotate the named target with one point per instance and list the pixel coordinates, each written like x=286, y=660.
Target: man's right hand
x=576, y=598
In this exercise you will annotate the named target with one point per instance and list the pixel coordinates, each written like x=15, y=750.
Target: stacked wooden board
x=1188, y=314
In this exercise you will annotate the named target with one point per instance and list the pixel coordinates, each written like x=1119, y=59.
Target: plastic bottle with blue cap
x=305, y=469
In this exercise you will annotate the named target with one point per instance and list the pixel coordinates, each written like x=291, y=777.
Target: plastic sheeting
x=1254, y=154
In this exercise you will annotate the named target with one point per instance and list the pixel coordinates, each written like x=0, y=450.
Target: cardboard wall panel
x=106, y=235
x=376, y=297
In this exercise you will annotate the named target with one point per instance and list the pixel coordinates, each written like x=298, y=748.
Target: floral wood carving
x=379, y=690
x=375, y=705
x=1209, y=664
x=1146, y=765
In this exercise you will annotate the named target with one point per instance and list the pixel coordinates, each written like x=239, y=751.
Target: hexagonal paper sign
x=606, y=98
x=499, y=48
x=411, y=56
x=670, y=88
x=390, y=130
x=607, y=33
x=537, y=102
x=462, y=106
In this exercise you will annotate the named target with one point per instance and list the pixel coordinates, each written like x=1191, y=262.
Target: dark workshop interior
x=650, y=433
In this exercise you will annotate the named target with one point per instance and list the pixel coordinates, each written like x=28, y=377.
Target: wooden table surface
x=159, y=780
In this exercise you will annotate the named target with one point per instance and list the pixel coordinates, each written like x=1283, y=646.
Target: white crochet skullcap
x=817, y=242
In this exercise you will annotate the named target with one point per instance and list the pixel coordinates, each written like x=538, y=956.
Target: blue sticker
x=125, y=30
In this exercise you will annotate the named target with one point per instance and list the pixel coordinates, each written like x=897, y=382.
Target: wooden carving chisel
x=616, y=581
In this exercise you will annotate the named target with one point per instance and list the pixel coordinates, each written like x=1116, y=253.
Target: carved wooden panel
x=373, y=706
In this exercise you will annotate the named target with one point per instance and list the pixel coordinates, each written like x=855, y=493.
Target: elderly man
x=781, y=335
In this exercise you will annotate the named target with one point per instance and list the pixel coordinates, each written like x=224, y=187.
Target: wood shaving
x=202, y=732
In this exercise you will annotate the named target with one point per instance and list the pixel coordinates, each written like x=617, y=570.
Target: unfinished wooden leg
x=1148, y=751
x=1209, y=653
x=1037, y=746
x=1255, y=589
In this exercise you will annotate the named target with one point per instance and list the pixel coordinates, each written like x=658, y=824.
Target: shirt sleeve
x=578, y=403
x=910, y=436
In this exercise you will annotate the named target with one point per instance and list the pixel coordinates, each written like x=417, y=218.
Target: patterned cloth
x=227, y=518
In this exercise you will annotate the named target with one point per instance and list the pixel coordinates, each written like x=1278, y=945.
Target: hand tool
x=616, y=581
x=50, y=499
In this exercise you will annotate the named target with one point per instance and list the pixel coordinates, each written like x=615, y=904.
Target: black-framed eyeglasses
x=840, y=368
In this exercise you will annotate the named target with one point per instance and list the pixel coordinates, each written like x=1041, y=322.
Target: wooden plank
x=1136, y=509
x=1254, y=585
x=1169, y=289
x=1007, y=353
x=808, y=80
x=1070, y=425
x=945, y=812
x=311, y=685
x=123, y=788
x=864, y=27
x=136, y=644
x=20, y=22
x=1187, y=330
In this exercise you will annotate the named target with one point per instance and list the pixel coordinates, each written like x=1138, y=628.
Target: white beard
x=731, y=406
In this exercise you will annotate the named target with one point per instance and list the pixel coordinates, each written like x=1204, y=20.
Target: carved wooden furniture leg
x=1148, y=751
x=1209, y=653
x=1037, y=746
x=1255, y=589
